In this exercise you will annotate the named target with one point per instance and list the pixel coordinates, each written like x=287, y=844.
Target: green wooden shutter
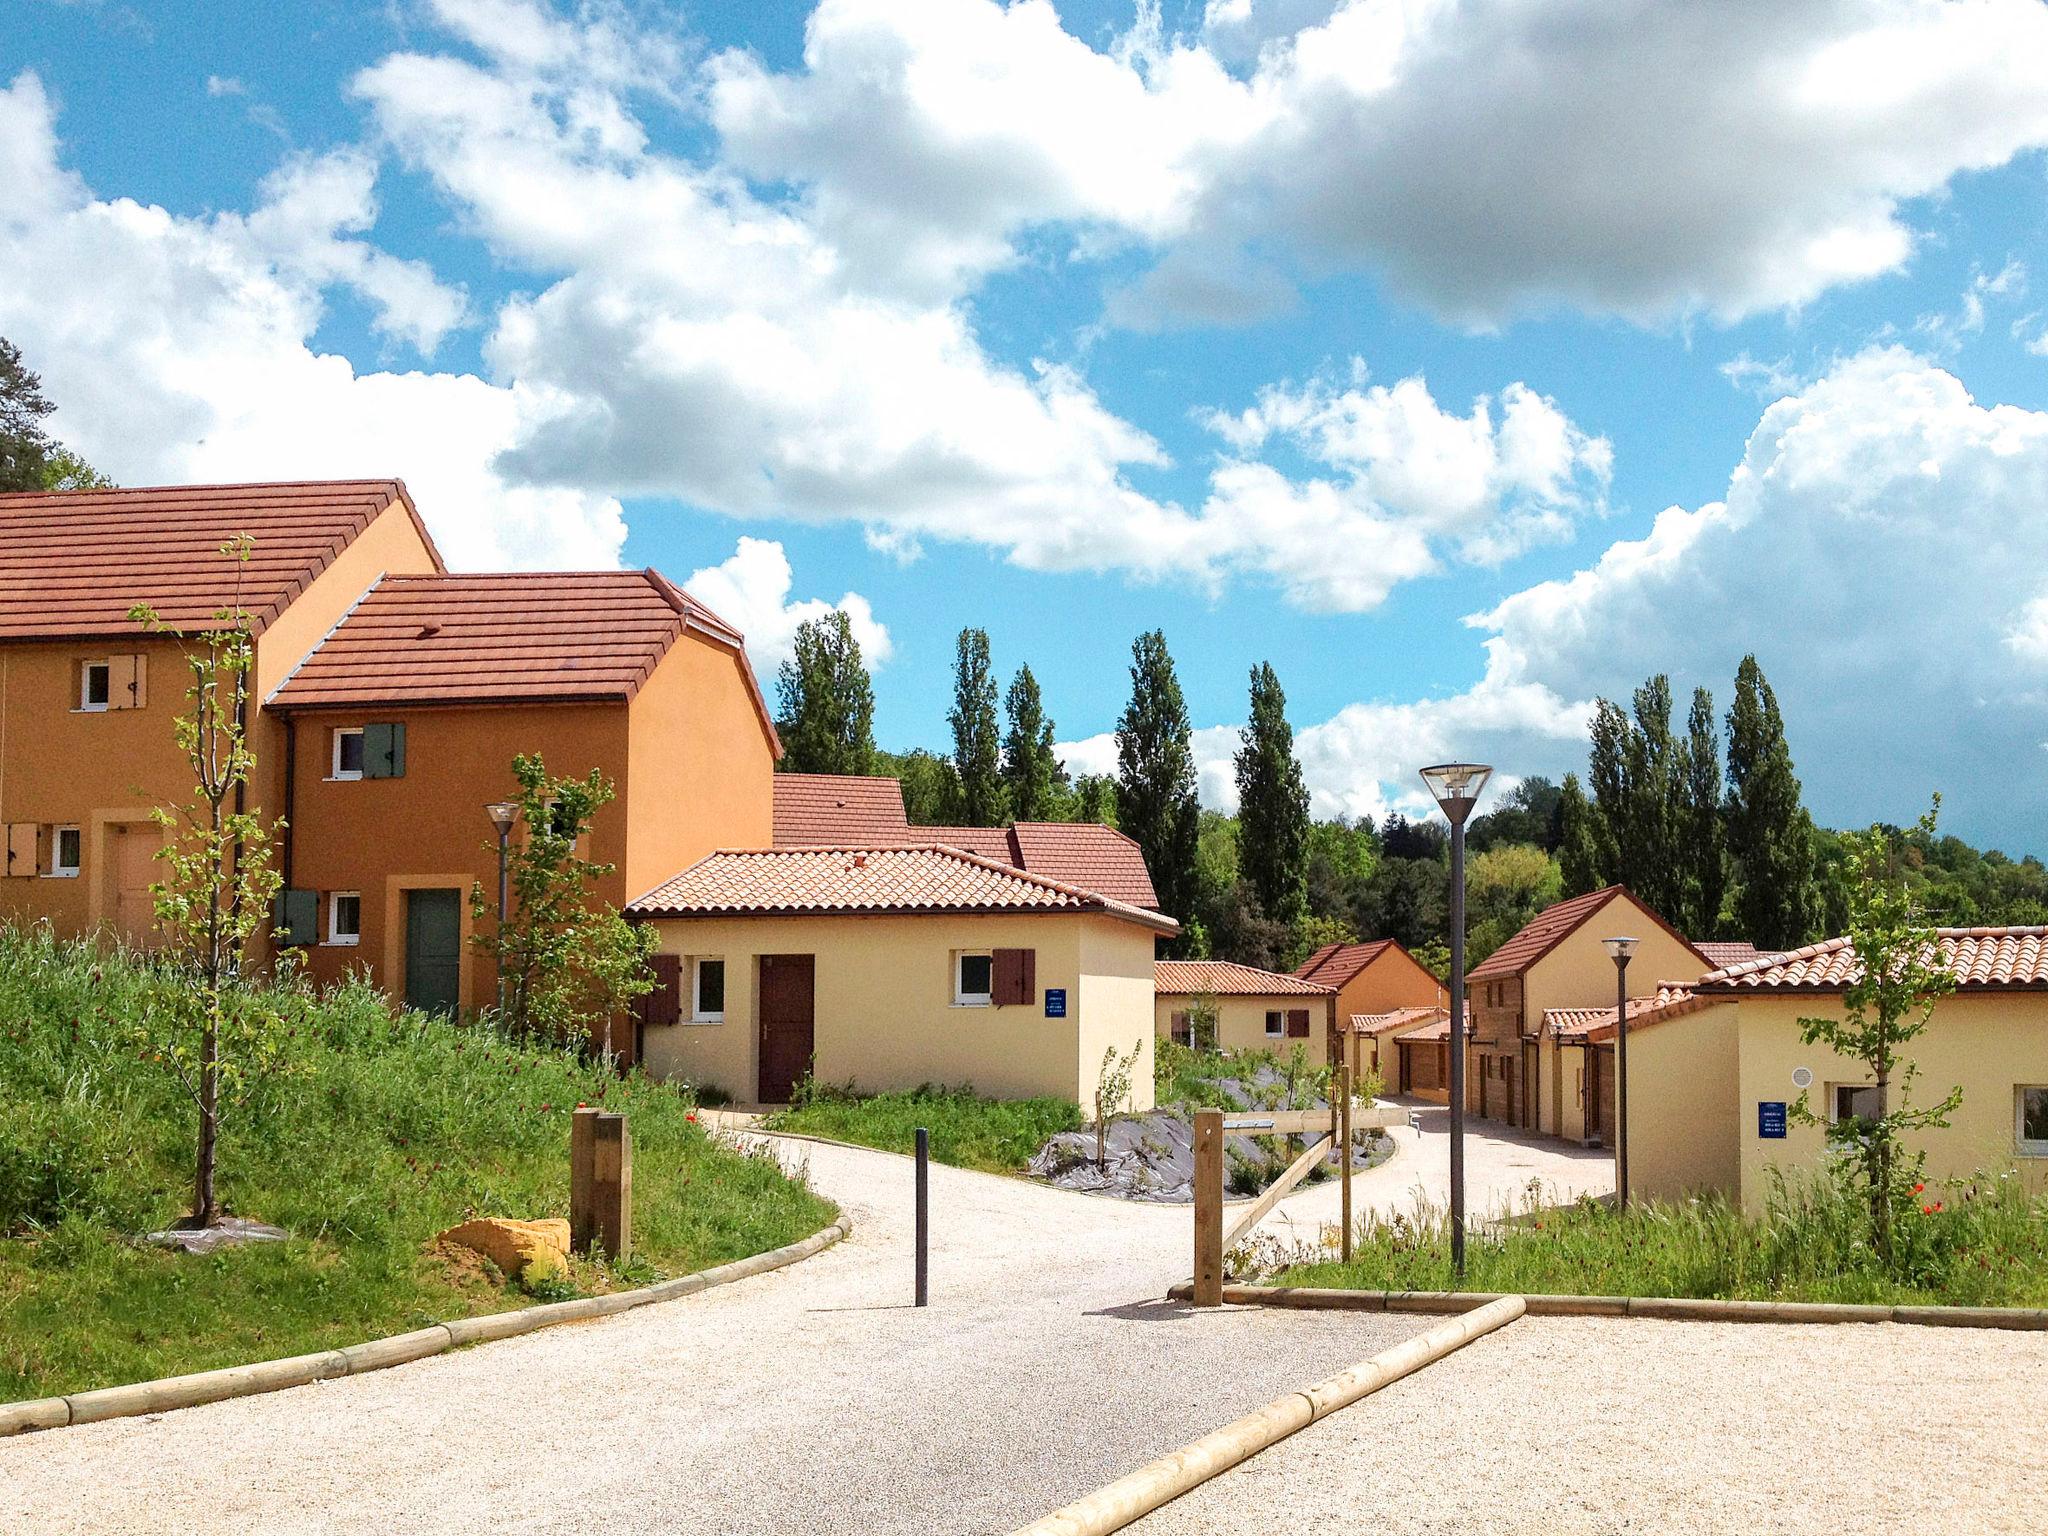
x=295, y=917
x=384, y=751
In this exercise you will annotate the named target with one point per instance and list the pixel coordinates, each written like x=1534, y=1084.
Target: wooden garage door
x=788, y=1023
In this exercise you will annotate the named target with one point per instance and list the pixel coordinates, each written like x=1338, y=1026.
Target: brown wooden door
x=132, y=866
x=1595, y=1129
x=788, y=1023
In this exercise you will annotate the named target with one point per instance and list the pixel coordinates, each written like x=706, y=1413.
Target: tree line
x=30, y=459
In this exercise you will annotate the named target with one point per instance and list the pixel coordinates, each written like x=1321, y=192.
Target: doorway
x=788, y=1023
x=132, y=865
x=433, y=950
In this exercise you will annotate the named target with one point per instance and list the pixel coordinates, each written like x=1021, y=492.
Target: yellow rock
x=527, y=1250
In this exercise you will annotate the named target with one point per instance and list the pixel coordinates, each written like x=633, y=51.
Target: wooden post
x=582, y=1179
x=1208, y=1207
x=615, y=1186
x=1344, y=1090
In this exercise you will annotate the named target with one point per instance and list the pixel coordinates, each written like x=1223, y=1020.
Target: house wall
x=1393, y=980
x=1684, y=1135
x=381, y=837
x=700, y=768
x=885, y=1017
x=1241, y=1020
x=1983, y=1043
x=1427, y=1067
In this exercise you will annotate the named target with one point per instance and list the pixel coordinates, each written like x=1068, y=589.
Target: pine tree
x=1032, y=771
x=1155, y=792
x=1272, y=804
x=1579, y=838
x=24, y=447
x=1769, y=834
x=977, y=753
x=1701, y=833
x=827, y=720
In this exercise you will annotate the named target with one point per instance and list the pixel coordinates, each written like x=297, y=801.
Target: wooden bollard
x=1208, y=1207
x=583, y=1178
x=615, y=1186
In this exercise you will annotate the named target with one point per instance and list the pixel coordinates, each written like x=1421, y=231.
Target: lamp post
x=1620, y=949
x=503, y=813
x=1455, y=788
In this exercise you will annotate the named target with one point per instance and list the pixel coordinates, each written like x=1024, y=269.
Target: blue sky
x=1072, y=322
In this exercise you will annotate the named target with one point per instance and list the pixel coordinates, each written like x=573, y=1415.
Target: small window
x=973, y=978
x=2030, y=1116
x=1853, y=1101
x=348, y=753
x=344, y=918
x=64, y=847
x=1180, y=1026
x=707, y=992
x=95, y=685
x=1276, y=1022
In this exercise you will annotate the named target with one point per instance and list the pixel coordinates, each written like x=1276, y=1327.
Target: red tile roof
x=1725, y=952
x=1336, y=964
x=820, y=810
x=75, y=562
x=1226, y=978
x=1438, y=1029
x=1982, y=959
x=983, y=842
x=1400, y=1021
x=1552, y=926
x=757, y=882
x=1087, y=854
x=526, y=638
x=1598, y=1023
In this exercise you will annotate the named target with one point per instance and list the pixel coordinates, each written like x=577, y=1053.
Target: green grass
x=1987, y=1245
x=990, y=1135
x=378, y=1132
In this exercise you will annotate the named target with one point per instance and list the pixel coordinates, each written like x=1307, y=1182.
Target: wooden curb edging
x=1670, y=1308
x=1116, y=1505
x=399, y=1349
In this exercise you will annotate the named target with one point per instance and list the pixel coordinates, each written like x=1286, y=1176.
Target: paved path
x=807, y=1400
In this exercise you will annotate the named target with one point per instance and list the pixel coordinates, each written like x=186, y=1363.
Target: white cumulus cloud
x=751, y=590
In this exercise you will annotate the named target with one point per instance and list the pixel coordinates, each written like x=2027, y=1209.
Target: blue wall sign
x=1770, y=1119
x=1055, y=1002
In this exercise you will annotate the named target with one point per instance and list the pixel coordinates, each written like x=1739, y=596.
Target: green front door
x=433, y=950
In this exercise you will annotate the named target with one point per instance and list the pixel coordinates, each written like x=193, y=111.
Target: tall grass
x=1986, y=1245
x=377, y=1131
x=968, y=1131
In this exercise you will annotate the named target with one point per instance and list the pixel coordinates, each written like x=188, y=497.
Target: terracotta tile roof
x=1725, y=952
x=1226, y=978
x=1087, y=854
x=1400, y=1021
x=869, y=881
x=1552, y=926
x=1336, y=964
x=524, y=638
x=75, y=562
x=984, y=842
x=1598, y=1023
x=818, y=810
x=1982, y=959
x=1439, y=1027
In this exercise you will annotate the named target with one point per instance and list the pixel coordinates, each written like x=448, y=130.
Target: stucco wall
x=1683, y=1131
x=884, y=1010
x=1241, y=1020
x=1393, y=980
x=699, y=768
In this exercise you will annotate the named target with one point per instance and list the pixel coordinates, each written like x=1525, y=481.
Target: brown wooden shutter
x=1297, y=1023
x=1014, y=981
x=21, y=848
x=664, y=1004
x=1181, y=1028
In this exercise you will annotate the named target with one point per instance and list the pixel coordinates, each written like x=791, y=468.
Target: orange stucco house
x=391, y=698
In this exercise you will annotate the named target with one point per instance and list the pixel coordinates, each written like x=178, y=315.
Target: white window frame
x=699, y=1014
x=85, y=703
x=962, y=998
x=2023, y=1145
x=334, y=934
x=58, y=869
x=336, y=772
x=1279, y=1015
x=1835, y=1115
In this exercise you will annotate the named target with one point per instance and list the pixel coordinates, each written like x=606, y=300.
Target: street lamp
x=1620, y=949
x=503, y=813
x=1456, y=788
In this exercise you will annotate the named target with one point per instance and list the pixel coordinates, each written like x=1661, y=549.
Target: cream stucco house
x=1255, y=1010
x=887, y=968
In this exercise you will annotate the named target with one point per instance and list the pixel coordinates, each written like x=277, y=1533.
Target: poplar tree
x=1770, y=836
x=1272, y=804
x=1580, y=834
x=1095, y=799
x=1701, y=830
x=1032, y=771
x=977, y=752
x=1156, y=803
x=827, y=721
x=1607, y=772
x=1650, y=865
